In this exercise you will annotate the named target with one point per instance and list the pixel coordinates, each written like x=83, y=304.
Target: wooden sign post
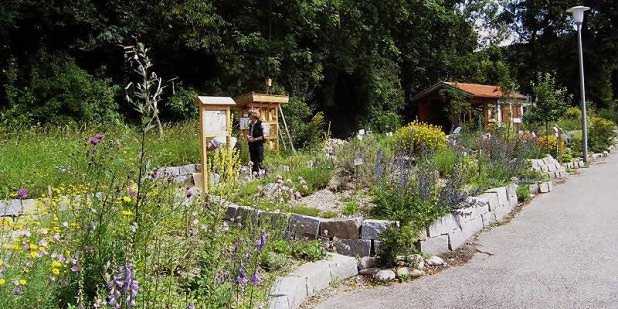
x=215, y=121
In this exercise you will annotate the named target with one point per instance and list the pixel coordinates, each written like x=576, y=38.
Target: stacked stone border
x=307, y=280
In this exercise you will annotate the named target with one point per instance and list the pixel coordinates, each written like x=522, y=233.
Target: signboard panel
x=214, y=123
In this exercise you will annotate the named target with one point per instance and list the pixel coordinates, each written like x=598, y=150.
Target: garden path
x=559, y=252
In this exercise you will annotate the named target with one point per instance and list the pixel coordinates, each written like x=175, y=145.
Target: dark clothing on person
x=256, y=148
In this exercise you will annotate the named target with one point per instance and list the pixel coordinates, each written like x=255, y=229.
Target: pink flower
x=22, y=193
x=96, y=139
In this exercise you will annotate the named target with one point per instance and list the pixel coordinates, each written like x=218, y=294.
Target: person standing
x=255, y=139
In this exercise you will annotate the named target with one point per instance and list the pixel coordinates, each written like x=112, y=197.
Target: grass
x=42, y=157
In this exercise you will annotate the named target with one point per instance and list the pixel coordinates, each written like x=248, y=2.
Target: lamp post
x=578, y=16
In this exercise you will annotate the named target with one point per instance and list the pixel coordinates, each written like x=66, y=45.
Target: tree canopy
x=358, y=62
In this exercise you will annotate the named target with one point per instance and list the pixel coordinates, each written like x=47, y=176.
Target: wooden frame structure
x=269, y=107
x=215, y=120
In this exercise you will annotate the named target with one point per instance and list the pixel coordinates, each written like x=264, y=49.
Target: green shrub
x=350, y=208
x=523, y=193
x=418, y=136
x=272, y=261
x=307, y=250
x=601, y=134
x=397, y=241
x=58, y=92
x=363, y=159
x=567, y=155
x=572, y=113
x=445, y=161
x=181, y=105
x=306, y=127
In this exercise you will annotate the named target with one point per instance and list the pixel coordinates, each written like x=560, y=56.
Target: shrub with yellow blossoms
x=419, y=136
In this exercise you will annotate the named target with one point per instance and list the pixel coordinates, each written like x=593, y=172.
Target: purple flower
x=191, y=306
x=261, y=242
x=75, y=267
x=96, y=139
x=22, y=193
x=241, y=279
x=189, y=192
x=256, y=279
x=123, y=286
x=131, y=192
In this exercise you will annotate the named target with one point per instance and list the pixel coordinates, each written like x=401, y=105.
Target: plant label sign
x=358, y=161
x=266, y=129
x=215, y=123
x=244, y=123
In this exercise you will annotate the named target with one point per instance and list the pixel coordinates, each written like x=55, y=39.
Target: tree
x=550, y=102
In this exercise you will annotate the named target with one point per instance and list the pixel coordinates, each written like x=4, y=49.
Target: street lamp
x=578, y=16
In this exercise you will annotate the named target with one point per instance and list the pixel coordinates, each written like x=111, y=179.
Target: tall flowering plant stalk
x=144, y=96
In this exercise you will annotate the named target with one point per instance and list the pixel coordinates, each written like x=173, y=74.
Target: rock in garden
x=415, y=273
x=385, y=275
x=368, y=271
x=402, y=272
x=435, y=261
x=416, y=261
x=367, y=262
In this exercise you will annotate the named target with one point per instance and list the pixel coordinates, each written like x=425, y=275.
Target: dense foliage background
x=358, y=62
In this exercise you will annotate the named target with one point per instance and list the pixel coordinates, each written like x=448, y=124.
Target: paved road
x=560, y=252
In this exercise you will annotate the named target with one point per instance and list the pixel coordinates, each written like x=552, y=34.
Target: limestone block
x=533, y=188
x=247, y=215
x=511, y=193
x=435, y=245
x=502, y=196
x=288, y=292
x=491, y=198
x=371, y=229
x=274, y=220
x=489, y=219
x=300, y=227
x=353, y=247
x=231, y=211
x=341, y=228
x=442, y=226
x=545, y=187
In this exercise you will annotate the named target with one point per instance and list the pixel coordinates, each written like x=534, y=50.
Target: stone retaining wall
x=361, y=237
x=550, y=166
x=291, y=291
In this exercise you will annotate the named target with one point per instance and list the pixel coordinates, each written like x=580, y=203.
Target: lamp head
x=578, y=13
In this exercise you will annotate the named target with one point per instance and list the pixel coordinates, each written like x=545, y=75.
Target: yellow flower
x=55, y=271
x=1, y=263
x=34, y=254
x=126, y=199
x=33, y=246
x=2, y=281
x=126, y=213
x=23, y=281
x=56, y=264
